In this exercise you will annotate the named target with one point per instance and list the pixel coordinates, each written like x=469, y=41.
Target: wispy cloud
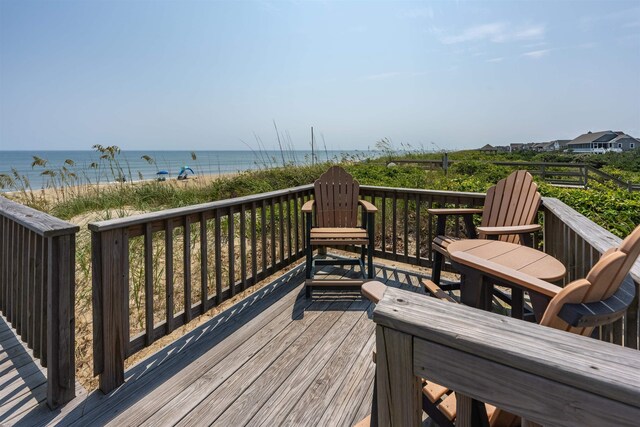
x=495, y=60
x=537, y=54
x=496, y=32
x=624, y=17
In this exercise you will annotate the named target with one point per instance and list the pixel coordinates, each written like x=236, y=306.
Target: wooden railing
x=230, y=245
x=37, y=290
x=404, y=229
x=544, y=375
x=143, y=282
x=578, y=243
x=560, y=173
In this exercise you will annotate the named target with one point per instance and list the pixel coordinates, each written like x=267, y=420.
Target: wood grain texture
x=580, y=362
x=37, y=221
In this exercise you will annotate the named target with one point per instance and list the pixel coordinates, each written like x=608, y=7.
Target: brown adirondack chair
x=336, y=213
x=602, y=297
x=508, y=214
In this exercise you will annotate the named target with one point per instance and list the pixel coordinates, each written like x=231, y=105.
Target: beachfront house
x=600, y=142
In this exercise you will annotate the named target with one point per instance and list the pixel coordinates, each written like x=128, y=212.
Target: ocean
x=82, y=167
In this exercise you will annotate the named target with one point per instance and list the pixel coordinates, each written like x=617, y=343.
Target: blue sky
x=210, y=74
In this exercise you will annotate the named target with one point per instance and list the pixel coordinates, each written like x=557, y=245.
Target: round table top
x=521, y=258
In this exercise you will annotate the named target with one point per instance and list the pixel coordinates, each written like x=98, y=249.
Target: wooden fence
x=248, y=238
x=578, y=243
x=544, y=375
x=569, y=174
x=229, y=245
x=37, y=290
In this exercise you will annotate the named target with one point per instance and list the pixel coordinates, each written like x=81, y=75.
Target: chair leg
x=309, y=270
x=309, y=267
x=370, y=271
x=436, y=270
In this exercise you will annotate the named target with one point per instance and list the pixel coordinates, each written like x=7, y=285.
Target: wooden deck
x=23, y=381
x=275, y=358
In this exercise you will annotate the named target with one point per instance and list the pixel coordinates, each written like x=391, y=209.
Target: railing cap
x=580, y=362
x=35, y=220
x=599, y=238
x=190, y=210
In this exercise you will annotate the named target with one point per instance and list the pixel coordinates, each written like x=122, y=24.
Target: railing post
x=61, y=319
x=110, y=306
x=399, y=391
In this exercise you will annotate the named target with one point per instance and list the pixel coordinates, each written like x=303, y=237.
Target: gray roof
x=603, y=136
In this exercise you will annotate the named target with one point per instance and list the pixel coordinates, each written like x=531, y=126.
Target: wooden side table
x=477, y=279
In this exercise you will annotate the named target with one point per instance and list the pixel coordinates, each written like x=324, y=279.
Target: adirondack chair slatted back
x=602, y=281
x=336, y=196
x=514, y=200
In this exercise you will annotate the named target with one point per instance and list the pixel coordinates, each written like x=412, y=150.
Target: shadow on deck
x=273, y=358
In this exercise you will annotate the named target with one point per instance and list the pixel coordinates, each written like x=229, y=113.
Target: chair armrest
x=508, y=274
x=454, y=211
x=308, y=206
x=436, y=291
x=369, y=207
x=513, y=229
x=373, y=291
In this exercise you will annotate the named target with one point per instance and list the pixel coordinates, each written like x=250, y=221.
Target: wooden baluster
x=272, y=212
x=39, y=299
x=281, y=228
x=383, y=227
x=263, y=217
x=231, y=251
x=254, y=248
x=296, y=210
x=243, y=247
x=187, y=268
x=406, y=228
x=168, y=267
x=289, y=243
x=148, y=283
x=218, y=255
x=418, y=231
x=204, y=273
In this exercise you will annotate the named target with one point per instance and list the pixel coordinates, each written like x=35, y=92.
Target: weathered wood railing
x=578, y=243
x=544, y=375
x=404, y=229
x=235, y=243
x=37, y=290
x=140, y=294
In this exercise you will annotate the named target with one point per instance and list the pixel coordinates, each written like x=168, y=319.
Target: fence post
x=586, y=175
x=61, y=319
x=110, y=306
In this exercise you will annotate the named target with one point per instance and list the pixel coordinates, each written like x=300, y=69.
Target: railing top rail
x=195, y=209
x=190, y=210
x=599, y=238
x=39, y=222
x=579, y=362
x=424, y=192
x=554, y=164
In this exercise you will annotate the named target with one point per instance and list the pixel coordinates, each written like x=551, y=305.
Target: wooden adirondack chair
x=336, y=213
x=584, y=304
x=508, y=214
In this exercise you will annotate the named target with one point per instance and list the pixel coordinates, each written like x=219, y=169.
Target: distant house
x=489, y=149
x=558, y=144
x=516, y=146
x=595, y=142
x=541, y=146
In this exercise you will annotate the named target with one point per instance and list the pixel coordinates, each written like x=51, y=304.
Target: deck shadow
x=21, y=378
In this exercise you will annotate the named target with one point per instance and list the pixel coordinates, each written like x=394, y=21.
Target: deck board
x=274, y=358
